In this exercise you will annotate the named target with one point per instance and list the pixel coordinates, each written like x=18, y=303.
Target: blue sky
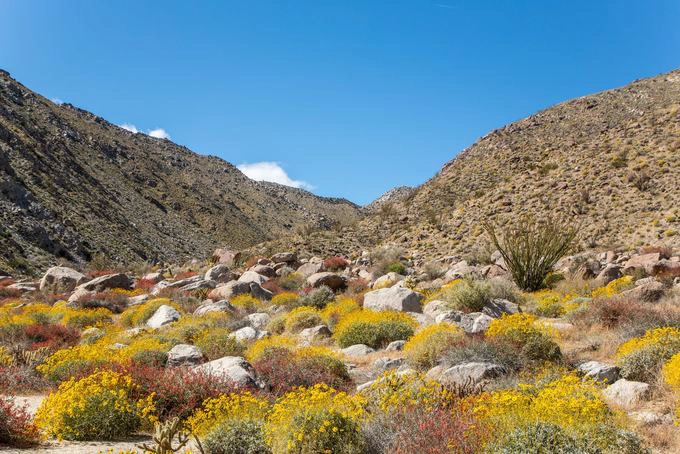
x=349, y=98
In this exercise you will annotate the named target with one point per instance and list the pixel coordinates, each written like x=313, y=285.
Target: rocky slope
x=608, y=162
x=75, y=186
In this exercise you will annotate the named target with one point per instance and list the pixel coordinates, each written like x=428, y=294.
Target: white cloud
x=271, y=171
x=57, y=101
x=159, y=133
x=129, y=127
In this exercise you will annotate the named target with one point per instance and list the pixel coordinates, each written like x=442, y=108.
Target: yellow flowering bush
x=85, y=318
x=260, y=347
x=316, y=419
x=302, y=317
x=287, y=299
x=67, y=362
x=551, y=303
x=227, y=406
x=671, y=372
x=613, y=288
x=334, y=312
x=424, y=349
x=524, y=331
x=245, y=302
x=375, y=329
x=568, y=402
x=100, y=406
x=217, y=343
x=641, y=358
x=515, y=326
x=392, y=391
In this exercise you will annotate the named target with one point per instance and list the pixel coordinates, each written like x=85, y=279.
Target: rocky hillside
x=75, y=186
x=608, y=162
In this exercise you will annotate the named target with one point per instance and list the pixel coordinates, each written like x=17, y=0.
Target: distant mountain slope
x=610, y=162
x=73, y=185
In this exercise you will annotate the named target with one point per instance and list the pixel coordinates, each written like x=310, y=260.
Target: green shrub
x=531, y=248
x=318, y=298
x=237, y=436
x=301, y=318
x=540, y=347
x=537, y=438
x=483, y=350
x=644, y=364
x=397, y=267
x=469, y=295
x=375, y=329
x=346, y=439
x=217, y=343
x=292, y=282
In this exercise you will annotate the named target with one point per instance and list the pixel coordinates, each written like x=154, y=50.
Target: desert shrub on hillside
x=286, y=299
x=468, y=295
x=237, y=436
x=316, y=419
x=531, y=248
x=217, y=343
x=333, y=312
x=261, y=347
x=384, y=256
x=425, y=348
x=318, y=298
x=523, y=331
x=292, y=282
x=246, y=303
x=302, y=317
x=641, y=358
x=335, y=263
x=375, y=329
x=98, y=407
x=493, y=350
x=16, y=428
x=241, y=406
x=283, y=369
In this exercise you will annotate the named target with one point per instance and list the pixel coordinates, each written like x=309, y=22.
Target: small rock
x=627, y=394
x=395, y=346
x=393, y=298
x=309, y=335
x=184, y=355
x=258, y=320
x=475, y=322
x=61, y=279
x=217, y=306
x=498, y=307
x=357, y=350
x=600, y=372
x=245, y=334
x=219, y=273
x=252, y=276
x=233, y=368
x=474, y=372
x=387, y=280
x=286, y=257
x=331, y=280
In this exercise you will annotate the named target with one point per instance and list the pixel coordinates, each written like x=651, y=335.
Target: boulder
x=648, y=291
x=600, y=372
x=626, y=394
x=393, y=298
x=226, y=257
x=609, y=273
x=24, y=287
x=234, y=368
x=109, y=281
x=436, y=307
x=450, y=316
x=264, y=270
x=383, y=364
x=252, y=276
x=309, y=335
x=229, y=290
x=164, y=315
x=473, y=372
x=310, y=268
x=245, y=334
x=357, y=350
x=395, y=346
x=198, y=285
x=460, y=270
x=643, y=262
x=61, y=279
x=260, y=293
x=154, y=277
x=137, y=300
x=496, y=308
x=475, y=322
x=258, y=320
x=184, y=355
x=217, y=306
x=666, y=267
x=330, y=280
x=284, y=257
x=219, y=273
x=388, y=280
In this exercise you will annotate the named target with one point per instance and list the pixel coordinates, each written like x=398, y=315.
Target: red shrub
x=335, y=263
x=283, y=371
x=412, y=429
x=144, y=284
x=52, y=336
x=178, y=391
x=16, y=427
